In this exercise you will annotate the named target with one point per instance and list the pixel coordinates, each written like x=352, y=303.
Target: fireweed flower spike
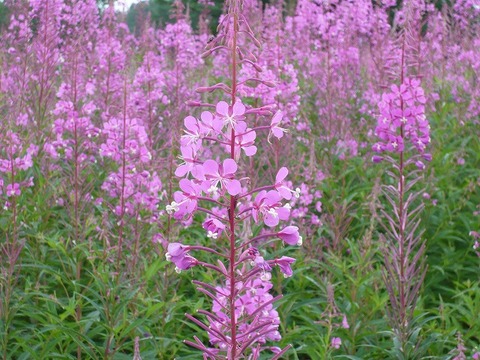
x=404, y=133
x=213, y=150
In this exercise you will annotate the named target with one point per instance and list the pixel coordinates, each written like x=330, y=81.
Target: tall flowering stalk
x=402, y=126
x=242, y=319
x=17, y=155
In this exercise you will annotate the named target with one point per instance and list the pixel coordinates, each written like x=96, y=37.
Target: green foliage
x=3, y=15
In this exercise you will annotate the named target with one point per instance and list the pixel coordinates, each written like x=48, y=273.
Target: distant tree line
x=160, y=11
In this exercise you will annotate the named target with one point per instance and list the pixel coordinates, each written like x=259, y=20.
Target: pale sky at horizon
x=124, y=4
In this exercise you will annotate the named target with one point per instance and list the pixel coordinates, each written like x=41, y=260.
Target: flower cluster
x=242, y=319
x=211, y=179
x=15, y=158
x=255, y=303
x=402, y=117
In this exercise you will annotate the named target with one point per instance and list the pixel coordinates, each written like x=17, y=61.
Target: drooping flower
x=290, y=235
x=284, y=263
x=178, y=254
x=214, y=227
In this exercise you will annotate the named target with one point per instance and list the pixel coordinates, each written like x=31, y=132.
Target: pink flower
x=214, y=228
x=345, y=324
x=13, y=190
x=280, y=186
x=222, y=175
x=260, y=262
x=211, y=123
x=290, y=235
x=244, y=139
x=178, y=254
x=284, y=263
x=231, y=116
x=336, y=342
x=185, y=200
x=269, y=206
x=190, y=163
x=194, y=132
x=276, y=130
x=476, y=356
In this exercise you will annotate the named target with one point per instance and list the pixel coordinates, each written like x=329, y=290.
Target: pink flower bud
x=377, y=159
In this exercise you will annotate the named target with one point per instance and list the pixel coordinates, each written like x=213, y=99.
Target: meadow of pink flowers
x=313, y=170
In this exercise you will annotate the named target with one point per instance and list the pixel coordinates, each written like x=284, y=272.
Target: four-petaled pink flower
x=280, y=186
x=269, y=206
x=190, y=163
x=244, y=139
x=195, y=131
x=185, y=200
x=211, y=123
x=275, y=129
x=231, y=116
x=221, y=174
x=13, y=190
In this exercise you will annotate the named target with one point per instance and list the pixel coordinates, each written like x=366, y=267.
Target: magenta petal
x=210, y=167
x=191, y=206
x=278, y=133
x=185, y=185
x=250, y=150
x=281, y=175
x=217, y=125
x=289, y=235
x=283, y=213
x=241, y=127
x=191, y=123
x=229, y=166
x=234, y=187
x=250, y=137
x=175, y=249
x=187, y=151
x=181, y=170
x=207, y=117
x=272, y=197
x=270, y=220
x=186, y=262
x=238, y=108
x=206, y=185
x=222, y=108
x=178, y=196
x=285, y=192
x=277, y=118
x=197, y=172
